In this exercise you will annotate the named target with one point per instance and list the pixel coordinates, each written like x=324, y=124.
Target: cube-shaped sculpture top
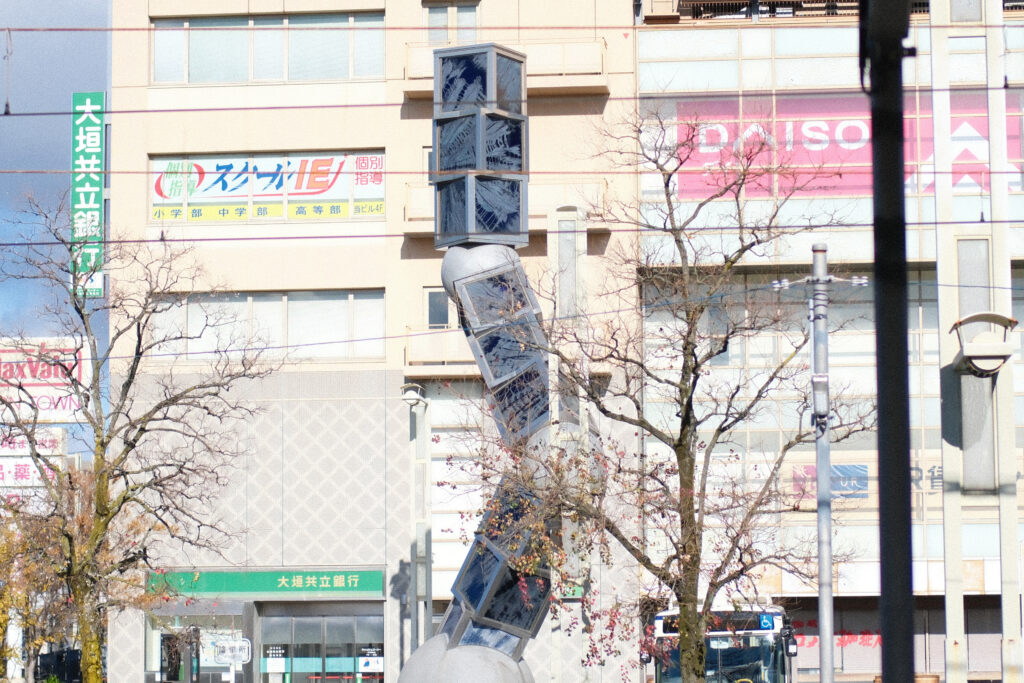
x=480, y=139
x=472, y=77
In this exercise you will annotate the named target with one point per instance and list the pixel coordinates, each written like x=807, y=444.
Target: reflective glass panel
x=498, y=205
x=463, y=81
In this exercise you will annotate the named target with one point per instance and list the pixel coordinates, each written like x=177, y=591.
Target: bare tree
x=154, y=424
x=691, y=347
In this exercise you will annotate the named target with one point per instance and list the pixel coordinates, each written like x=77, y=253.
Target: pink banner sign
x=820, y=145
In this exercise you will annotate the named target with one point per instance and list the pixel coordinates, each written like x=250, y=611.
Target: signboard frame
x=87, y=204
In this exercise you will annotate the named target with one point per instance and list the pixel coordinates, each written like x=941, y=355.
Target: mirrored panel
x=510, y=84
x=457, y=144
x=463, y=81
x=498, y=205
x=503, y=140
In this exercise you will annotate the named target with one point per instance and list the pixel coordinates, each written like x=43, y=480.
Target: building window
x=336, y=324
x=451, y=24
x=327, y=324
x=289, y=186
x=963, y=11
x=441, y=312
x=307, y=47
x=164, y=650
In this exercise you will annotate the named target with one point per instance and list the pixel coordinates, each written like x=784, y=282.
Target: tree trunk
x=92, y=650
x=31, y=657
x=5, y=620
x=90, y=633
x=691, y=645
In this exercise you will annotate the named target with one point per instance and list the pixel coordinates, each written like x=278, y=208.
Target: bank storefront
x=316, y=625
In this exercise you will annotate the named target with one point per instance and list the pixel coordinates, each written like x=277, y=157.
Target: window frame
x=453, y=313
x=454, y=33
x=281, y=347
x=169, y=25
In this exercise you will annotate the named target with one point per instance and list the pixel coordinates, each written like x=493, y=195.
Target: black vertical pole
x=897, y=598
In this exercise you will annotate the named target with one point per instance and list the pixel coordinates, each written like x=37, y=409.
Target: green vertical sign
x=87, y=166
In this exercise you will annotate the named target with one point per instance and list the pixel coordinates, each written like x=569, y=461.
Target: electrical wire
x=851, y=21
x=813, y=172
x=641, y=98
x=651, y=231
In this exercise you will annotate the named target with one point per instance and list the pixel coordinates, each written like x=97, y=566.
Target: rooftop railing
x=740, y=9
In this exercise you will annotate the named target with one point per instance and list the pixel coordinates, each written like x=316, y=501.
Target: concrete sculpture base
x=433, y=662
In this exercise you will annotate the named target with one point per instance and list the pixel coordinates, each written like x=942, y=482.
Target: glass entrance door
x=307, y=650
x=338, y=649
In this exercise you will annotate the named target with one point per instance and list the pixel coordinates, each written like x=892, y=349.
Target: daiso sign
x=813, y=143
x=821, y=144
x=43, y=379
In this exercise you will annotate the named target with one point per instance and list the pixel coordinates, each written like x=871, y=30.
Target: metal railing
x=739, y=9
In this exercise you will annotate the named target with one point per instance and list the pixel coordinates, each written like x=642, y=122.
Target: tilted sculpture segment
x=479, y=169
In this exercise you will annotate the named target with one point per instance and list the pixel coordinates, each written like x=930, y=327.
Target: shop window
x=172, y=640
x=293, y=48
x=315, y=649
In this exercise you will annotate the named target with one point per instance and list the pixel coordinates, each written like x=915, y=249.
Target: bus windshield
x=740, y=658
x=731, y=659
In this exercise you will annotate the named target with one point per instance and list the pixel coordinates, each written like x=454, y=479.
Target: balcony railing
x=740, y=9
x=438, y=347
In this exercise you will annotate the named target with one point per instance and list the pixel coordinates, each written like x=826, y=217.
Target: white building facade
x=789, y=70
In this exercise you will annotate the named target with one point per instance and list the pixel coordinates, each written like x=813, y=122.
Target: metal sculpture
x=479, y=168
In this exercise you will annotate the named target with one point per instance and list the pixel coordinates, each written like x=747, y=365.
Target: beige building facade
x=287, y=143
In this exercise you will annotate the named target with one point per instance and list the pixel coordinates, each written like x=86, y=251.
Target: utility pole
x=882, y=31
x=820, y=280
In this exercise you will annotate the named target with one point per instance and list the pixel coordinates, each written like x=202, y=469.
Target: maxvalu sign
x=41, y=378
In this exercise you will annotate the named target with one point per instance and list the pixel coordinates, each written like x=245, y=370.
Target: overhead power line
x=712, y=24
x=778, y=95
x=428, y=234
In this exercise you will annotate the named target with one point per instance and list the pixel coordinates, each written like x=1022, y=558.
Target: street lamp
x=419, y=576
x=985, y=353
x=413, y=395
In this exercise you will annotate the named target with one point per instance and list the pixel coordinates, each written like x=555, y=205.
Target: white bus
x=752, y=644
